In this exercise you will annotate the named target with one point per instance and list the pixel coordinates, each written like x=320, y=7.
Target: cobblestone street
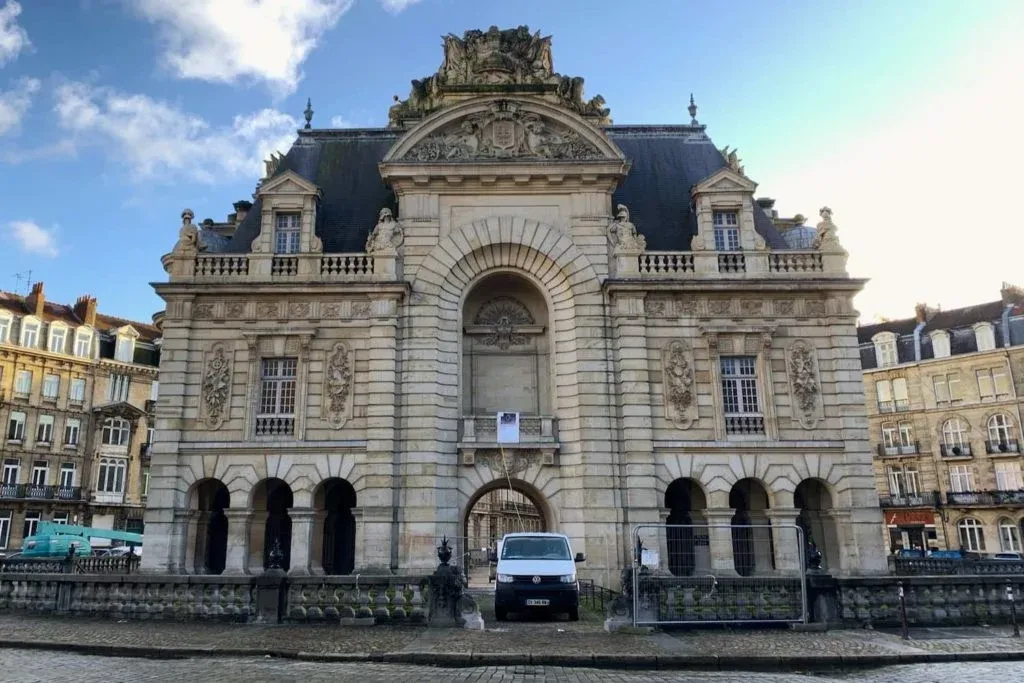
x=35, y=667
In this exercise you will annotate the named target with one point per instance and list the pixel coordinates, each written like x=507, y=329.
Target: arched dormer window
x=83, y=342
x=30, y=327
x=885, y=349
x=6, y=325
x=57, y=340
x=985, y=336
x=940, y=343
x=124, y=349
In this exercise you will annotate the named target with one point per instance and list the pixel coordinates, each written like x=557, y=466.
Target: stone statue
x=387, y=236
x=732, y=160
x=827, y=232
x=188, y=236
x=623, y=234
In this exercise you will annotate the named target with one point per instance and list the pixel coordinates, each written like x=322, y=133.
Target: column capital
x=238, y=513
x=302, y=514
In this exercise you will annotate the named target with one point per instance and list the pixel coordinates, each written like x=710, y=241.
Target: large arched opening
x=497, y=509
x=753, y=550
x=210, y=498
x=334, y=537
x=271, y=525
x=814, y=502
x=686, y=535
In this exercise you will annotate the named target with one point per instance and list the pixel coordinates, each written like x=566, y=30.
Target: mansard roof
x=666, y=162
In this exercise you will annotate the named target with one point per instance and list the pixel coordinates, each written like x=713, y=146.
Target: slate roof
x=53, y=312
x=667, y=161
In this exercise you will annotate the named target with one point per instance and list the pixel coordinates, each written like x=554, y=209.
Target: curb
x=593, y=660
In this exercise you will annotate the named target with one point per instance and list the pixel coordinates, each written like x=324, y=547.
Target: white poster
x=649, y=558
x=508, y=427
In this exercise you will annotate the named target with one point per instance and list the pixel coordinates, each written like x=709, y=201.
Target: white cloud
x=229, y=41
x=33, y=238
x=14, y=103
x=397, y=6
x=341, y=122
x=13, y=38
x=156, y=139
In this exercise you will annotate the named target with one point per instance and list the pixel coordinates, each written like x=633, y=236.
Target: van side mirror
x=492, y=556
x=580, y=557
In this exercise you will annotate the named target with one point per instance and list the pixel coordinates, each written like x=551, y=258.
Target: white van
x=536, y=571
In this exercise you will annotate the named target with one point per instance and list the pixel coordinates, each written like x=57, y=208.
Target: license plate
x=537, y=602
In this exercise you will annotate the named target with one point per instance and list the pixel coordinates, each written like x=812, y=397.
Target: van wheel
x=574, y=614
x=500, y=613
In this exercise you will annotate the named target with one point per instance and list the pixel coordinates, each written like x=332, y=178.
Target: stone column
x=237, y=560
x=720, y=540
x=316, y=552
x=178, y=542
x=788, y=547
x=302, y=539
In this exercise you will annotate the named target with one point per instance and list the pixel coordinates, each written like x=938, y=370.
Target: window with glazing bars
x=727, y=231
x=277, y=387
x=286, y=233
x=739, y=385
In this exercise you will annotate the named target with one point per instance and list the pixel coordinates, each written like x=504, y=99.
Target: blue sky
x=901, y=116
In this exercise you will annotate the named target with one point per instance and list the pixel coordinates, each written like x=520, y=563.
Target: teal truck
x=56, y=540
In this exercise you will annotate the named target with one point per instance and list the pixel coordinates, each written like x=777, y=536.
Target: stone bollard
x=271, y=591
x=448, y=605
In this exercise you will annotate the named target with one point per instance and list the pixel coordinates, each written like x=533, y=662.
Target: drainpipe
x=917, y=339
x=1006, y=325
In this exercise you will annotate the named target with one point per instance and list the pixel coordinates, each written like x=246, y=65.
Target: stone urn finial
x=444, y=552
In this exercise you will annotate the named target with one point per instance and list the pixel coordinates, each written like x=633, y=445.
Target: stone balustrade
x=299, y=268
x=483, y=429
x=711, y=264
x=353, y=600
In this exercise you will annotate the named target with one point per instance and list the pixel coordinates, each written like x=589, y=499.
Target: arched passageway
x=210, y=498
x=753, y=550
x=814, y=502
x=271, y=524
x=335, y=533
x=493, y=511
x=686, y=535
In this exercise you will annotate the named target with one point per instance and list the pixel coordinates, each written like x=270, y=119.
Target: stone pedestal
x=270, y=596
x=788, y=547
x=303, y=520
x=237, y=559
x=720, y=541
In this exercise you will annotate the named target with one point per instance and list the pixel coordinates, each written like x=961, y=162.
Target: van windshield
x=535, y=548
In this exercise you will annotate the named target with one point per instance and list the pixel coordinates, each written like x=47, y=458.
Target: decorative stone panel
x=337, y=395
x=678, y=383
x=216, y=387
x=804, y=383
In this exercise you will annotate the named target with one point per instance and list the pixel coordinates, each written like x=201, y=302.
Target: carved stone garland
x=504, y=315
x=337, y=385
x=678, y=383
x=216, y=386
x=804, y=384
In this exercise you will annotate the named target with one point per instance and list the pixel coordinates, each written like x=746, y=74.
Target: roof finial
x=308, y=113
x=693, y=111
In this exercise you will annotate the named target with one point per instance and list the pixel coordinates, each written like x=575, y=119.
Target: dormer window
x=6, y=322
x=58, y=338
x=940, y=344
x=985, y=336
x=727, y=230
x=287, y=232
x=83, y=342
x=29, y=332
x=885, y=349
x=125, y=349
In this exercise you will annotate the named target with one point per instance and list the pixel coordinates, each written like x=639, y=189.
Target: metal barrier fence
x=714, y=574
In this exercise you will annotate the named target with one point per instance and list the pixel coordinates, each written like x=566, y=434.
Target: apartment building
x=944, y=393
x=77, y=390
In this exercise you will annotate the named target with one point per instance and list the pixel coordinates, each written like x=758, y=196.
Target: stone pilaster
x=788, y=547
x=302, y=540
x=237, y=560
x=720, y=541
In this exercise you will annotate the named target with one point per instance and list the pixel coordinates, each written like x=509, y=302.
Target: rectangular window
x=31, y=523
x=1008, y=476
x=76, y=394
x=5, y=329
x=23, y=383
x=901, y=398
x=277, y=388
x=125, y=349
x=29, y=333
x=60, y=518
x=946, y=388
x=110, y=478
x=58, y=338
x=117, y=388
x=51, y=387
x=886, y=353
x=67, y=475
x=154, y=391
x=145, y=482
x=72, y=431
x=739, y=385
x=16, y=427
x=83, y=344
x=40, y=473
x=961, y=479
x=286, y=233
x=115, y=432
x=902, y=481
x=11, y=470
x=44, y=429
x=883, y=390
x=5, y=529
x=727, y=231
x=993, y=384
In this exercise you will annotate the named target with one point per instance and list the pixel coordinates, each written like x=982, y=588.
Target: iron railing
x=899, y=449
x=985, y=498
x=918, y=500
x=40, y=492
x=1008, y=446
x=955, y=451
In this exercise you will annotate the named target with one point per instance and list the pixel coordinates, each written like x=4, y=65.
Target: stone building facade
x=333, y=367
x=78, y=388
x=943, y=394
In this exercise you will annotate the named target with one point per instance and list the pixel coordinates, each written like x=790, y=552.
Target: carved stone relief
x=337, y=385
x=752, y=307
x=202, y=311
x=814, y=307
x=719, y=306
x=331, y=310
x=686, y=306
x=504, y=315
x=361, y=309
x=659, y=307
x=514, y=463
x=678, y=386
x=299, y=309
x=804, y=383
x=234, y=309
x=784, y=307
x=216, y=387
x=268, y=309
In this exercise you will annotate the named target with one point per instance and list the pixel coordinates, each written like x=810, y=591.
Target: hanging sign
x=508, y=427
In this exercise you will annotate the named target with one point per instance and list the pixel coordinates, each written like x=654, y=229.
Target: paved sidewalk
x=551, y=642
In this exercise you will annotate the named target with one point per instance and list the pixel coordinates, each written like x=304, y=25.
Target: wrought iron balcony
x=40, y=492
x=12, y=491
x=955, y=451
x=744, y=424
x=144, y=451
x=885, y=406
x=1002, y=447
x=899, y=449
x=919, y=500
x=982, y=498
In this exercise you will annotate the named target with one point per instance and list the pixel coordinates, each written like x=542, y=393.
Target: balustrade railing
x=275, y=425
x=744, y=424
x=929, y=499
x=732, y=262
x=939, y=566
x=98, y=564
x=355, y=599
x=221, y=266
x=795, y=262
x=346, y=265
x=532, y=428
x=665, y=263
x=284, y=266
x=898, y=449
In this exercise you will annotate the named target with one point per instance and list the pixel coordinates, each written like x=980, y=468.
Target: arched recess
x=209, y=498
x=687, y=544
x=484, y=521
x=271, y=500
x=334, y=535
x=752, y=543
x=814, y=501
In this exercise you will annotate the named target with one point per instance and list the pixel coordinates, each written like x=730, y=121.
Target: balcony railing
x=902, y=406
x=732, y=262
x=275, y=425
x=533, y=429
x=972, y=498
x=664, y=263
x=795, y=262
x=40, y=492
x=108, y=497
x=1004, y=446
x=899, y=449
x=919, y=500
x=955, y=451
x=885, y=406
x=144, y=451
x=311, y=267
x=744, y=424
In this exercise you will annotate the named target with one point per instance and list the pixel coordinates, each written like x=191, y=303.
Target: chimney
x=36, y=301
x=767, y=205
x=921, y=312
x=241, y=209
x=1011, y=294
x=85, y=310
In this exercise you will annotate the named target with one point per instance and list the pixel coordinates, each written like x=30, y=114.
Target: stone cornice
x=765, y=446
x=259, y=448
x=739, y=284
